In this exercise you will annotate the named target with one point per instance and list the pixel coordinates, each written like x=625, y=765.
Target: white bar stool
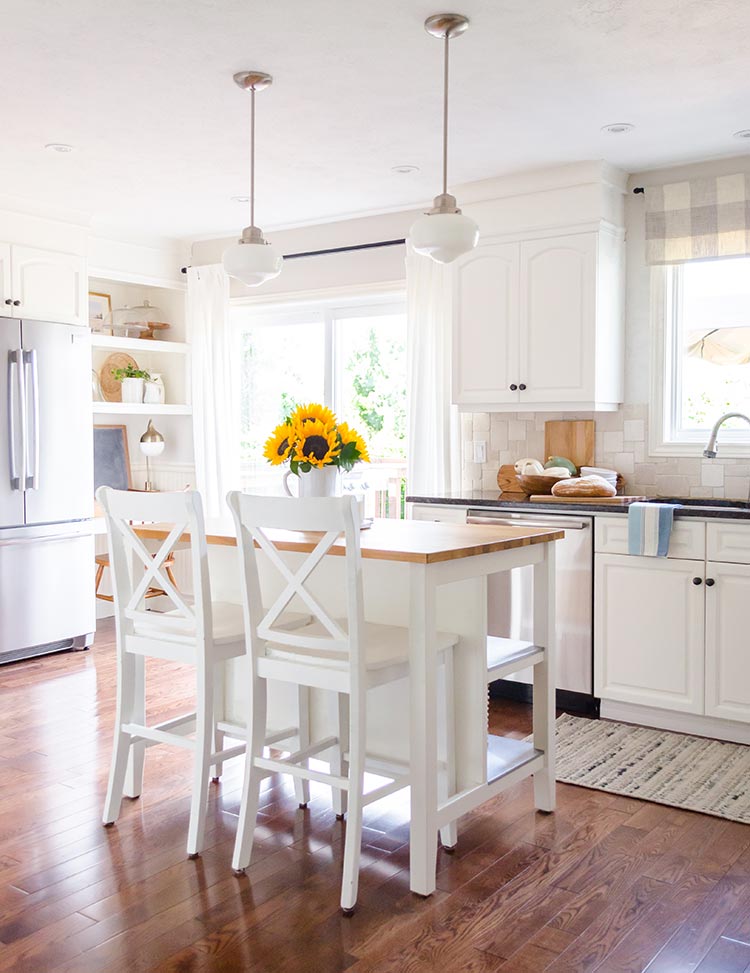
x=346, y=655
x=196, y=632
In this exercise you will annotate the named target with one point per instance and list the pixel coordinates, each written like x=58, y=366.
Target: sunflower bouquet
x=311, y=437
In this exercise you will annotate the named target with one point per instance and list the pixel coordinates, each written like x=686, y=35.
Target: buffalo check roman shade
x=698, y=219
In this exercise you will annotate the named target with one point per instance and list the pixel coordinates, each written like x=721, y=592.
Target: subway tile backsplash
x=621, y=444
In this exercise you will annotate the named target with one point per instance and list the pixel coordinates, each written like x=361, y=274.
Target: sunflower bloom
x=349, y=435
x=279, y=445
x=315, y=443
x=313, y=412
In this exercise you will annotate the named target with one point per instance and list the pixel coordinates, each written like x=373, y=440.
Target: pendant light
x=253, y=260
x=444, y=233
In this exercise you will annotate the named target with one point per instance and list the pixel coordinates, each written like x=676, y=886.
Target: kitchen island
x=424, y=576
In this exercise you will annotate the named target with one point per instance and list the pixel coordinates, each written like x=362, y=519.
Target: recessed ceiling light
x=744, y=133
x=240, y=199
x=58, y=147
x=405, y=170
x=617, y=128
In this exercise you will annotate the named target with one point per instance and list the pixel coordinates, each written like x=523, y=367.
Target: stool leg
x=121, y=744
x=134, y=775
x=204, y=727
x=339, y=765
x=449, y=832
x=256, y=734
x=302, y=787
x=353, y=843
x=219, y=683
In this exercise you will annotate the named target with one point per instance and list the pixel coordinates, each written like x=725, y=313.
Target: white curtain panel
x=434, y=443
x=216, y=431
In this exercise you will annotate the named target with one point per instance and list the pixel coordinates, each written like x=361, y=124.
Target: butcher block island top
x=419, y=542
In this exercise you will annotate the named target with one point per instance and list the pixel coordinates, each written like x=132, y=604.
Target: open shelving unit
x=140, y=409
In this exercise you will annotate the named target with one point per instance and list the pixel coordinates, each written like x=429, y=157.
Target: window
x=706, y=353
x=350, y=356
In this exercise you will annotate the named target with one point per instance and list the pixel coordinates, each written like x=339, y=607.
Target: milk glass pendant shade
x=252, y=259
x=444, y=233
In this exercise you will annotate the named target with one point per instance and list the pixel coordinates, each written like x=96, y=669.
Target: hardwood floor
x=606, y=883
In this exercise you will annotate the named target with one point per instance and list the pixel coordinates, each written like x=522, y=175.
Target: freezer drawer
x=46, y=588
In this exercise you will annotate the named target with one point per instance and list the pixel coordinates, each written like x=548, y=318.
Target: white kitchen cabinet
x=5, y=279
x=538, y=324
x=48, y=286
x=485, y=344
x=449, y=514
x=727, y=645
x=649, y=631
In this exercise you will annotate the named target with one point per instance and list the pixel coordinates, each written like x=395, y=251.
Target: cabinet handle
x=514, y=388
x=16, y=303
x=710, y=582
x=8, y=300
x=697, y=580
x=522, y=387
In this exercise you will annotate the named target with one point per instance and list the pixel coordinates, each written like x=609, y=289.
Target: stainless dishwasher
x=510, y=608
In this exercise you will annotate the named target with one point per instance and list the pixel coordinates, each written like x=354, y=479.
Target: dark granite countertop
x=691, y=507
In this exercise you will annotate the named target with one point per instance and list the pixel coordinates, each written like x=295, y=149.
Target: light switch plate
x=480, y=451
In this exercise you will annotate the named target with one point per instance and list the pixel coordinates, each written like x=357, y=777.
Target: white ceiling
x=143, y=89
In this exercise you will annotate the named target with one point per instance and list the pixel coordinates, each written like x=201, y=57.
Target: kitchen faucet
x=711, y=448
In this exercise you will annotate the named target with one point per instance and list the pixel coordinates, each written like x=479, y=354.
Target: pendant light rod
x=445, y=115
x=446, y=26
x=252, y=81
x=252, y=157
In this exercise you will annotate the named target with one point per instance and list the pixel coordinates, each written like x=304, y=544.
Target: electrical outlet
x=480, y=451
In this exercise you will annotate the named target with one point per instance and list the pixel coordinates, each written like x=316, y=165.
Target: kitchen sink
x=714, y=506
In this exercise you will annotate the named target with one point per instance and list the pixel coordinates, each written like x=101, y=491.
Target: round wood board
x=112, y=389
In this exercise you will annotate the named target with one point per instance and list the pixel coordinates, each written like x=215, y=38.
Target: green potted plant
x=132, y=379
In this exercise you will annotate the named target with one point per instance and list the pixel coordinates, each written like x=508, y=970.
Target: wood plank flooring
x=606, y=884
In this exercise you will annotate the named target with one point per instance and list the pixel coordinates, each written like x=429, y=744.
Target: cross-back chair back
x=136, y=569
x=326, y=520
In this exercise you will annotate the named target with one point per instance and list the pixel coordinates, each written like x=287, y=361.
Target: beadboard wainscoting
x=621, y=444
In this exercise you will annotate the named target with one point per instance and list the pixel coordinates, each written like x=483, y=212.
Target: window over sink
x=702, y=367
x=351, y=356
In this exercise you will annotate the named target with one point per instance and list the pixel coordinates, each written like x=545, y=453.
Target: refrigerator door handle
x=32, y=446
x=15, y=371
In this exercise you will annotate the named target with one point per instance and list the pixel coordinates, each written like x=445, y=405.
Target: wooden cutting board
x=574, y=439
x=612, y=501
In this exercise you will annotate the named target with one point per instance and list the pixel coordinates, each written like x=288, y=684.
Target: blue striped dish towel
x=649, y=528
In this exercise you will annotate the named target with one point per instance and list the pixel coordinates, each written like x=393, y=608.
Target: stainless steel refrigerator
x=46, y=489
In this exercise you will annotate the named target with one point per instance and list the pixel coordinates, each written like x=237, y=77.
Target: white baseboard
x=662, y=719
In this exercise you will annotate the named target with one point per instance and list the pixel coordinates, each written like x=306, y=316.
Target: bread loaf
x=583, y=486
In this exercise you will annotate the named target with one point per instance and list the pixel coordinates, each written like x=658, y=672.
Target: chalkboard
x=111, y=459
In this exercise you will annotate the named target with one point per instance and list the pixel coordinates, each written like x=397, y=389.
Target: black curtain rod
x=322, y=253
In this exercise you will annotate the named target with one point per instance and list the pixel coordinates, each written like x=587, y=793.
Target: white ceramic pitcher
x=317, y=483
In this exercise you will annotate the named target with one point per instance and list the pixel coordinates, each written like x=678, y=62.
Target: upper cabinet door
x=485, y=326
x=558, y=319
x=50, y=286
x=6, y=298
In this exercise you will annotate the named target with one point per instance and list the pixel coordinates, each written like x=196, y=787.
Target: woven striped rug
x=655, y=765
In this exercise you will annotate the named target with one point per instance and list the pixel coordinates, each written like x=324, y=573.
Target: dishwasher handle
x=560, y=524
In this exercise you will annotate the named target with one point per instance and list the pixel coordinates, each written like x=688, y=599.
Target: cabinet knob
x=697, y=580
x=710, y=582
x=16, y=303
x=514, y=388
x=522, y=387
x=8, y=300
